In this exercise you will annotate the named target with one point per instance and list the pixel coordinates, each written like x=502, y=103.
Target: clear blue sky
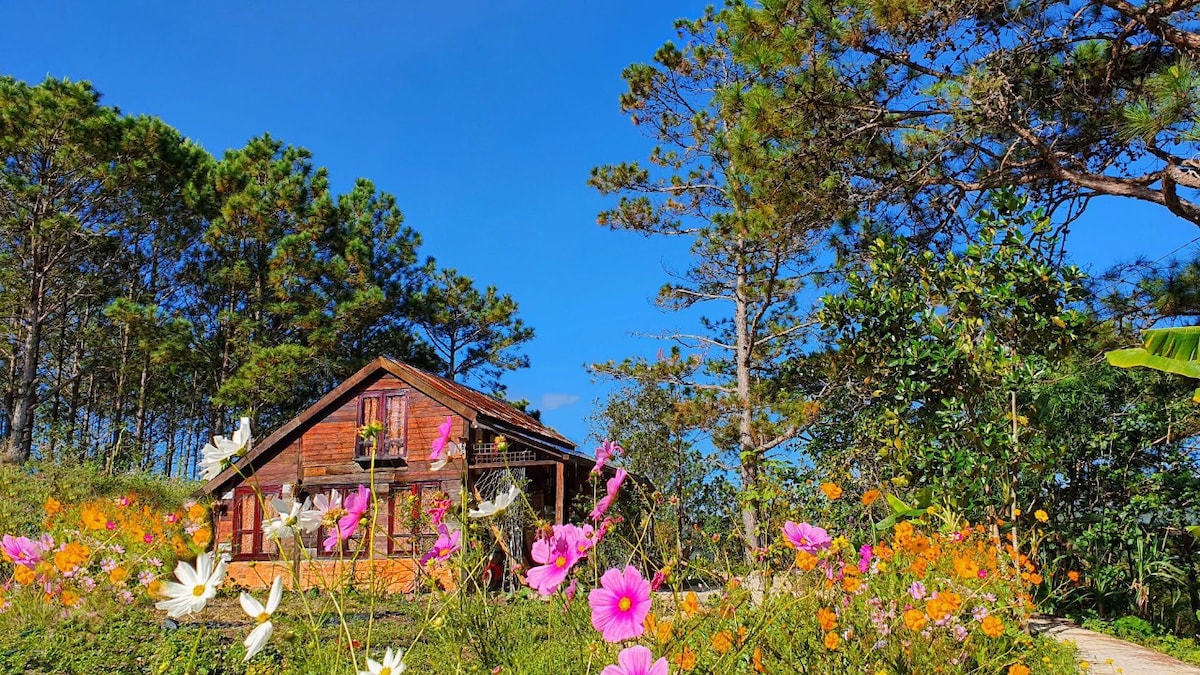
x=483, y=118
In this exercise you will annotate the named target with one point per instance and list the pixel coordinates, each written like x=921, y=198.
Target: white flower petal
x=257, y=639
x=276, y=595
x=251, y=606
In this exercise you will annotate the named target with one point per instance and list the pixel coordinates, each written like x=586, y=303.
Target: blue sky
x=483, y=118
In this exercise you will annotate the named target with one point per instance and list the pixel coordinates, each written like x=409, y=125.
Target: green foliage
x=1171, y=350
x=931, y=346
x=477, y=335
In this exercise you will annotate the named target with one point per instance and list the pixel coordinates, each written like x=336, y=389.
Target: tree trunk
x=748, y=453
x=20, y=440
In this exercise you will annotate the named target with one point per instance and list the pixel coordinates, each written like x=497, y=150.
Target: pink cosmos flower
x=445, y=546
x=443, y=437
x=865, y=553
x=613, y=485
x=917, y=590
x=620, y=605
x=22, y=550
x=659, y=578
x=172, y=518
x=356, y=504
x=636, y=660
x=571, y=590
x=805, y=537
x=437, y=512
x=557, y=555
x=605, y=452
x=148, y=538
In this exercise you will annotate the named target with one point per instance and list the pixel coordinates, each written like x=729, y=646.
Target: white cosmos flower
x=257, y=639
x=283, y=527
x=197, y=585
x=495, y=505
x=219, y=454
x=311, y=519
x=391, y=665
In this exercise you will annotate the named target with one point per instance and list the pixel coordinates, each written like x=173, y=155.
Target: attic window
x=389, y=409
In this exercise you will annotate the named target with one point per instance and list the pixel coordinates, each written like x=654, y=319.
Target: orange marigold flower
x=992, y=626
x=197, y=512
x=851, y=584
x=690, y=604
x=832, y=641
x=686, y=659
x=805, y=561
x=52, y=506
x=1073, y=576
x=831, y=490
x=966, y=568
x=154, y=588
x=870, y=497
x=69, y=598
x=827, y=619
x=71, y=556
x=1018, y=669
x=722, y=641
x=93, y=518
x=915, y=619
x=756, y=661
x=202, y=536
x=1035, y=579
x=664, y=630
x=23, y=575
x=118, y=575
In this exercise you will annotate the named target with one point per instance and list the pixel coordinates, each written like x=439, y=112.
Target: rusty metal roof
x=488, y=406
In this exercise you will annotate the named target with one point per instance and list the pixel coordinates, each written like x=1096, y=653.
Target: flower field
x=113, y=579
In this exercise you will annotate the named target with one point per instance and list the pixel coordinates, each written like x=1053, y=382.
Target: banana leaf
x=1171, y=350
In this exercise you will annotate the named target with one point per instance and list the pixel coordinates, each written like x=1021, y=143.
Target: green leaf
x=1171, y=350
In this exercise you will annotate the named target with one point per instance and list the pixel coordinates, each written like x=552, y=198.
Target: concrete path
x=1108, y=655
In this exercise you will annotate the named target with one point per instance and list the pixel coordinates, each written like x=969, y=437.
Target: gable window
x=390, y=410
x=248, y=540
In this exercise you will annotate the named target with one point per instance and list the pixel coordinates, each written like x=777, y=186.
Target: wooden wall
x=321, y=455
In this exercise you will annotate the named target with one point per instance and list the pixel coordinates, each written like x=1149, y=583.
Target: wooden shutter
x=368, y=411
x=395, y=422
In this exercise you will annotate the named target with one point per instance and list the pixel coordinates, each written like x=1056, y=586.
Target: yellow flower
x=992, y=626
x=1042, y=516
x=52, y=506
x=202, y=536
x=966, y=568
x=831, y=490
x=832, y=641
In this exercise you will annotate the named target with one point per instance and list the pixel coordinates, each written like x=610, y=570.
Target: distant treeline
x=149, y=292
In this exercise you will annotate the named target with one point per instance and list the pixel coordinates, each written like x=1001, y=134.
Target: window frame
x=240, y=495
x=383, y=399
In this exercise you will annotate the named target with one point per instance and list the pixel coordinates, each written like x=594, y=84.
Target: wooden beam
x=559, y=495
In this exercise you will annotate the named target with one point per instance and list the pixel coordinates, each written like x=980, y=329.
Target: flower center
x=625, y=604
x=560, y=562
x=385, y=671
x=333, y=515
x=199, y=590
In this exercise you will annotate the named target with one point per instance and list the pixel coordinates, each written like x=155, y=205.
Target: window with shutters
x=390, y=410
x=248, y=540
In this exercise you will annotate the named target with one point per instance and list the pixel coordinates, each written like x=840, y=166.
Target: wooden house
x=321, y=451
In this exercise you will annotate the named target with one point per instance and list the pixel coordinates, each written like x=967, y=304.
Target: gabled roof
x=471, y=404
